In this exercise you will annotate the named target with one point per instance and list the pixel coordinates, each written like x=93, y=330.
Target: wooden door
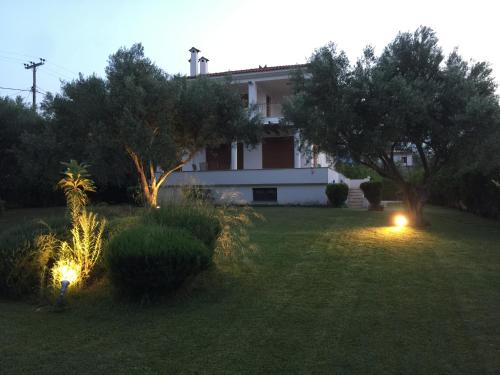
x=277, y=152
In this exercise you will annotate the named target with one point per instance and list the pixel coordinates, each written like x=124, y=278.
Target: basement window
x=265, y=194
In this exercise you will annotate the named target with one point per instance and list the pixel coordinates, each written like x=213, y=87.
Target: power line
x=32, y=56
x=10, y=88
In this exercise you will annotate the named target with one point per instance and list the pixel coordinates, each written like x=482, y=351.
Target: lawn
x=330, y=291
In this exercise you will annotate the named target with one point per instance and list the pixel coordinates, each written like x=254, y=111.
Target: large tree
x=17, y=119
x=162, y=121
x=408, y=99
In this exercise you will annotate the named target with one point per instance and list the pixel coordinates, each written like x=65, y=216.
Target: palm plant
x=76, y=183
x=82, y=253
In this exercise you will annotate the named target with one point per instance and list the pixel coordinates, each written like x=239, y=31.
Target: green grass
x=328, y=291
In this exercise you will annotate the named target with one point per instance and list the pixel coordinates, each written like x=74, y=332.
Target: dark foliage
x=471, y=191
x=337, y=194
x=373, y=192
x=200, y=222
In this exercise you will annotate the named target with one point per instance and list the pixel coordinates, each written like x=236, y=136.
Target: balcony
x=270, y=113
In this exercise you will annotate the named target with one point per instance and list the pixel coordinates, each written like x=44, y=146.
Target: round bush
x=373, y=192
x=337, y=194
x=201, y=221
x=150, y=260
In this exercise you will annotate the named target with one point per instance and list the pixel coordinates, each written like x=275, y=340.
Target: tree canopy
x=408, y=99
x=162, y=121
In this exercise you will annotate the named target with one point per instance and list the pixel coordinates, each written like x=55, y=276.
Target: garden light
x=400, y=221
x=67, y=273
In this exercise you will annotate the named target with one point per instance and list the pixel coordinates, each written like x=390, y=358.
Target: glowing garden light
x=400, y=221
x=65, y=272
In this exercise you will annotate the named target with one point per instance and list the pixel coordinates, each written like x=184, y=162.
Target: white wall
x=298, y=194
x=252, y=177
x=252, y=158
x=304, y=194
x=409, y=159
x=199, y=157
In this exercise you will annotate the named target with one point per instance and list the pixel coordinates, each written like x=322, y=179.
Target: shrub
x=372, y=192
x=150, y=260
x=199, y=220
x=23, y=261
x=337, y=194
x=471, y=191
x=356, y=171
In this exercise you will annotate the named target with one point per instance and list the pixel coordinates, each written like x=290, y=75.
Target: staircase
x=355, y=199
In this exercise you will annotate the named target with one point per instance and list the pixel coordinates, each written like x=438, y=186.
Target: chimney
x=193, y=62
x=203, y=65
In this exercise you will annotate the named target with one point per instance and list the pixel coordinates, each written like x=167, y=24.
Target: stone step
x=355, y=198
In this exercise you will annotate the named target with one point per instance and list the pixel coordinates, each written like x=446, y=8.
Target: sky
x=78, y=36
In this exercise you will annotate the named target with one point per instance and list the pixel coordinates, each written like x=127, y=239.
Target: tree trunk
x=150, y=188
x=415, y=200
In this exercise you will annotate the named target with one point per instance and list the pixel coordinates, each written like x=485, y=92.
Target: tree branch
x=423, y=158
x=164, y=175
x=140, y=169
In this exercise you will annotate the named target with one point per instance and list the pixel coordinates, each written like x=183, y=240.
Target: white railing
x=270, y=110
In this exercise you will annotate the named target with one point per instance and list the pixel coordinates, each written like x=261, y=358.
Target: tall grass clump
x=27, y=252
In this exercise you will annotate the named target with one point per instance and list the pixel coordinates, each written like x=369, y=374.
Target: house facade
x=275, y=171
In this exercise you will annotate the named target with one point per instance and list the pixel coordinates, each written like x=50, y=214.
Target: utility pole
x=34, y=65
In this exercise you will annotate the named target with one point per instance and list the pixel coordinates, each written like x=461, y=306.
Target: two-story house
x=275, y=170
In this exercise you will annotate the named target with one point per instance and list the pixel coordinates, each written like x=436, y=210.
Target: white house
x=275, y=170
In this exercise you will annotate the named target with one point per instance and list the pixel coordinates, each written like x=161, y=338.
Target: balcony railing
x=270, y=113
x=270, y=110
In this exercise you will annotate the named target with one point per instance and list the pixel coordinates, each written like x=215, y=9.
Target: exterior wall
x=409, y=159
x=252, y=157
x=198, y=158
x=252, y=177
x=300, y=194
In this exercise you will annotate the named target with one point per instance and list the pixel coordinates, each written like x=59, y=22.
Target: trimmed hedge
x=150, y=260
x=337, y=194
x=200, y=221
x=373, y=192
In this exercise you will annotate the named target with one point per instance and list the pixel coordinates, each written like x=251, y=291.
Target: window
x=404, y=159
x=265, y=194
x=268, y=106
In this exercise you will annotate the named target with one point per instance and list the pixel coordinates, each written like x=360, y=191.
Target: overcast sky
x=78, y=36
